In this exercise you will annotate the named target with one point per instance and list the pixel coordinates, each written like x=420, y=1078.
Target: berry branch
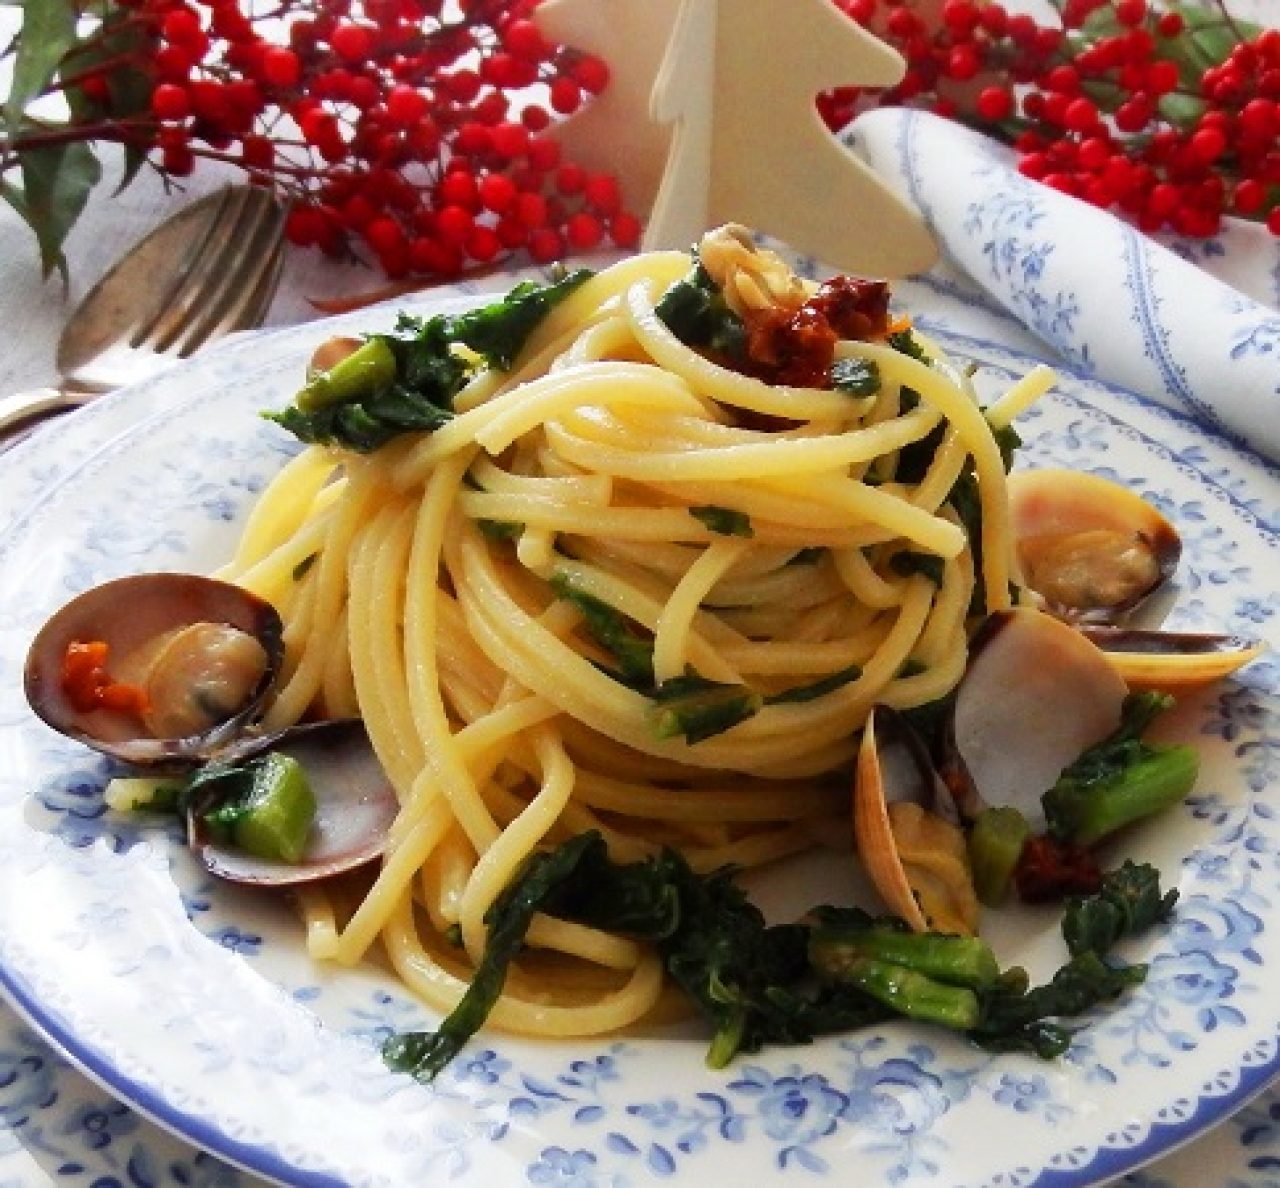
x=1167, y=111
x=405, y=131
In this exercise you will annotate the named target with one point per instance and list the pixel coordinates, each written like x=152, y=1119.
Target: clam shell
x=1035, y=695
x=1060, y=514
x=355, y=806
x=915, y=858
x=1172, y=661
x=128, y=615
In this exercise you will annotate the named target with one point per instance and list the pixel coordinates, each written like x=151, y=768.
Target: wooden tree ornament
x=729, y=112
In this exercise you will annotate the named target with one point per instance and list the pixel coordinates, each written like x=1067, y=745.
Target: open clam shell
x=906, y=833
x=207, y=644
x=355, y=806
x=1172, y=661
x=1089, y=547
x=1036, y=694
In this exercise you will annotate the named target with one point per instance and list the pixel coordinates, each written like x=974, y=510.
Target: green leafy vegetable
x=423, y=1054
x=756, y=983
x=905, y=343
x=695, y=311
x=1120, y=779
x=498, y=332
x=406, y=381
x=724, y=520
x=811, y=692
x=995, y=845
x=907, y=563
x=1129, y=902
x=843, y=936
x=856, y=377
x=368, y=368
x=612, y=631
x=698, y=708
x=263, y=806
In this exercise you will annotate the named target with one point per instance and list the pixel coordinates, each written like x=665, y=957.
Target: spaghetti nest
x=629, y=585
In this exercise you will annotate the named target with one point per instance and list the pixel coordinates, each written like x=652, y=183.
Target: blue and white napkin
x=1192, y=324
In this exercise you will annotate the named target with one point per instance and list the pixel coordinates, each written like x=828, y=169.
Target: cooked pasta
x=791, y=551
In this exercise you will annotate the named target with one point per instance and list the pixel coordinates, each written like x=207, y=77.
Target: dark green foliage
x=856, y=377
x=694, y=310
x=499, y=331
x=1129, y=902
x=756, y=983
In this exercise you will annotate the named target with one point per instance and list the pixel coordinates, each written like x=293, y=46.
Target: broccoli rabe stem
x=1146, y=786
x=913, y=995
x=995, y=845
x=956, y=960
x=360, y=374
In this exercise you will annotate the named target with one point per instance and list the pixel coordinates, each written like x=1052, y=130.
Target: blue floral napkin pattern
x=1192, y=324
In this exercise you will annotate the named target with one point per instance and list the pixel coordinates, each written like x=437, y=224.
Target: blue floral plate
x=196, y=1004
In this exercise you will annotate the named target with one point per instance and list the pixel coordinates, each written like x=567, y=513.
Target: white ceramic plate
x=196, y=1003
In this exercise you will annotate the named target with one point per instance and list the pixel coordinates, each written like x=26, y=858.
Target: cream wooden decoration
x=614, y=132
x=709, y=118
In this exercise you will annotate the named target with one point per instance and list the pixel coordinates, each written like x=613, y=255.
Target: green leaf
x=56, y=182
x=723, y=520
x=48, y=32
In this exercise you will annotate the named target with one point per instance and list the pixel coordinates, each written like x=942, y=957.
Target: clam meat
x=1090, y=548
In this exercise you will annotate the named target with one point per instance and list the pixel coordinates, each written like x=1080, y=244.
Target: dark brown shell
x=127, y=614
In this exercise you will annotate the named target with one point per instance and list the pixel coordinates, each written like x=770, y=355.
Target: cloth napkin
x=1192, y=324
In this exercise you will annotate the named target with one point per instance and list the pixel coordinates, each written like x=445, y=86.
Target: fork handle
x=23, y=410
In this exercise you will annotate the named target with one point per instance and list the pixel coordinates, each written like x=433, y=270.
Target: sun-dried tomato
x=1049, y=870
x=89, y=686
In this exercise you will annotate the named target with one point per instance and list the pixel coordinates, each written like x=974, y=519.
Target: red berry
x=454, y=223
x=963, y=62
x=182, y=27
x=994, y=104
x=257, y=152
x=1162, y=77
x=1170, y=24
x=352, y=43
x=383, y=234
x=544, y=153
x=405, y=105
x=1208, y=144
x=584, y=231
x=509, y=140
x=565, y=96
x=524, y=39
x=1273, y=221
x=1131, y=12
x=462, y=86
x=591, y=74
x=177, y=160
x=280, y=67
x=1081, y=115
x=483, y=244
x=535, y=118
x=531, y=211
x=571, y=178
x=624, y=230
x=458, y=188
x=170, y=102
x=546, y=245
x=1249, y=197
x=602, y=193
x=497, y=193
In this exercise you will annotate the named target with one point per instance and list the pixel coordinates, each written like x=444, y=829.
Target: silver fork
x=211, y=270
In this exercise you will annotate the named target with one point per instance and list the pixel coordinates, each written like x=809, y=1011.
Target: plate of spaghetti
x=684, y=611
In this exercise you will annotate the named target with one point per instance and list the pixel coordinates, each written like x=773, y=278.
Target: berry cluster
x=1169, y=113
x=414, y=131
